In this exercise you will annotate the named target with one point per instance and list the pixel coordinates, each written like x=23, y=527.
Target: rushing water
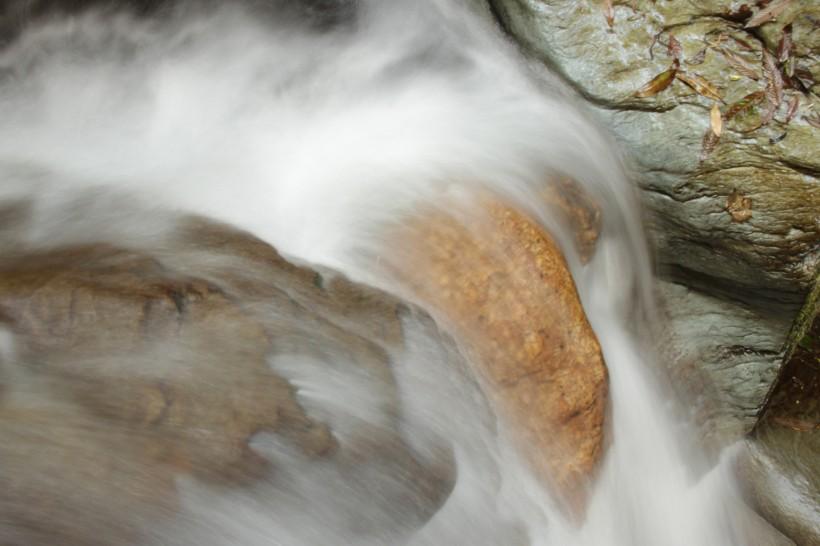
x=312, y=137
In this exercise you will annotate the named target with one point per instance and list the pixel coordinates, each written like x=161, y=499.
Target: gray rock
x=737, y=234
x=740, y=280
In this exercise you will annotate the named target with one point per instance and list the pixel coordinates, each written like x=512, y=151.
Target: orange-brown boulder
x=504, y=288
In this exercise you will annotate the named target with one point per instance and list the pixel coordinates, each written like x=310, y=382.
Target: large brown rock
x=502, y=284
x=124, y=368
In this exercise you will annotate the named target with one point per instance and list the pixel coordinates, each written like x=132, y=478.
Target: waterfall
x=313, y=138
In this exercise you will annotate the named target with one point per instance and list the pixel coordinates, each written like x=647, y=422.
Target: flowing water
x=313, y=136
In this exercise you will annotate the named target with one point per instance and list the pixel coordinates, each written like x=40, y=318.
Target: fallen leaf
x=784, y=46
x=788, y=70
x=716, y=120
x=699, y=57
x=794, y=104
x=746, y=103
x=674, y=48
x=774, y=87
x=658, y=83
x=739, y=207
x=767, y=14
x=742, y=43
x=699, y=84
x=710, y=142
x=609, y=13
x=739, y=64
x=804, y=78
x=813, y=120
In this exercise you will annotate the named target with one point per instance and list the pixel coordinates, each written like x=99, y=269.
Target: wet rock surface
x=124, y=369
x=782, y=470
x=503, y=285
x=734, y=208
x=740, y=227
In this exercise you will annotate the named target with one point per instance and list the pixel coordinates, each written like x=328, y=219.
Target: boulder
x=124, y=368
x=780, y=469
x=502, y=285
x=735, y=225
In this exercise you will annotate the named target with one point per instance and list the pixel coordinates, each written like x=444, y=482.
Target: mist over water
x=314, y=138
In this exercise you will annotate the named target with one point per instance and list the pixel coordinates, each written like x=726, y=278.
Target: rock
x=502, y=285
x=577, y=210
x=781, y=479
x=136, y=365
x=722, y=356
x=98, y=319
x=781, y=470
x=740, y=229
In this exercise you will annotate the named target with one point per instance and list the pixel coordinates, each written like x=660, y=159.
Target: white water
x=312, y=139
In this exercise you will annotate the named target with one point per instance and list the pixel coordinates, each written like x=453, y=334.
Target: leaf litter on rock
x=716, y=120
x=699, y=57
x=768, y=13
x=746, y=103
x=774, y=87
x=700, y=85
x=658, y=83
x=739, y=64
x=813, y=120
x=609, y=13
x=803, y=80
x=794, y=104
x=784, y=46
x=673, y=48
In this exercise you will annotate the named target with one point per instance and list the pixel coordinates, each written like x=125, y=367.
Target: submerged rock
x=126, y=368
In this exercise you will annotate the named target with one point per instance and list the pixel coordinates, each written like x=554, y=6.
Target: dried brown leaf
x=700, y=85
x=739, y=207
x=804, y=78
x=609, y=13
x=699, y=57
x=674, y=48
x=784, y=46
x=742, y=43
x=813, y=120
x=794, y=104
x=746, y=103
x=716, y=120
x=774, y=87
x=658, y=83
x=767, y=14
x=739, y=64
x=710, y=142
